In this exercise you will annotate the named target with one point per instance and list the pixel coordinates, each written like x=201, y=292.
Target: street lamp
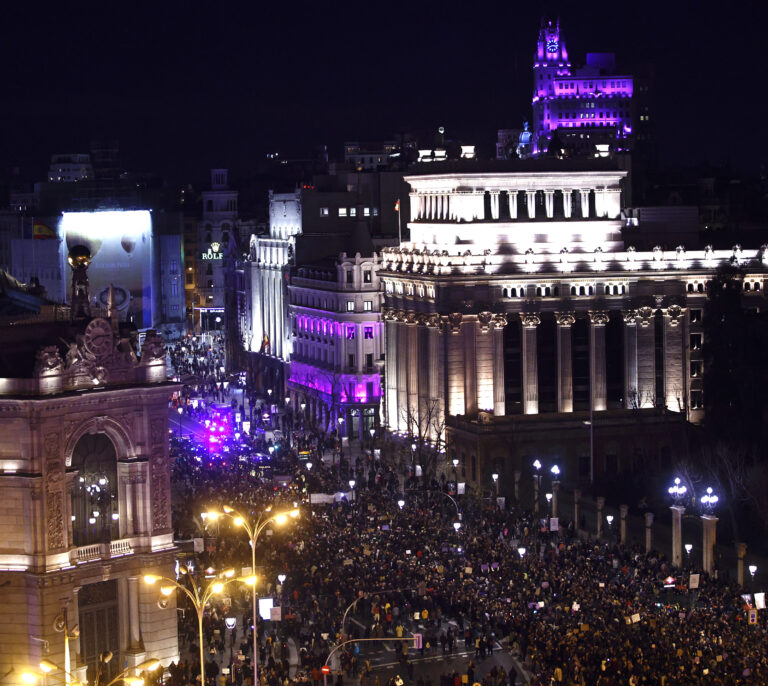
x=495, y=478
x=752, y=571
x=709, y=499
x=536, y=485
x=688, y=549
x=401, y=504
x=609, y=519
x=181, y=412
x=253, y=527
x=678, y=490
x=555, y=471
x=521, y=552
x=309, y=466
x=198, y=595
x=281, y=578
x=457, y=526
x=46, y=666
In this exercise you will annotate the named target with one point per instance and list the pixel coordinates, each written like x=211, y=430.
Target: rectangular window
x=368, y=305
x=342, y=211
x=375, y=211
x=697, y=400
x=368, y=332
x=695, y=341
x=366, y=211
x=350, y=305
x=696, y=369
x=323, y=211
x=351, y=358
x=369, y=360
x=350, y=276
x=352, y=211
x=695, y=316
x=350, y=333
x=367, y=276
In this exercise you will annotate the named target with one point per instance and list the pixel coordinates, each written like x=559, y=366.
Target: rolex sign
x=213, y=252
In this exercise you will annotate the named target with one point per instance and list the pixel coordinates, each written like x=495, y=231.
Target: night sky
x=188, y=86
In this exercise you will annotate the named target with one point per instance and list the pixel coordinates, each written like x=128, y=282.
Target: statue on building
x=524, y=145
x=79, y=258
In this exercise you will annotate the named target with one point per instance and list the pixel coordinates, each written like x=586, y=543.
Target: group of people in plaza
x=381, y=562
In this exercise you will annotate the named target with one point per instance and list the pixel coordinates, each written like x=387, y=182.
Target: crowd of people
x=570, y=611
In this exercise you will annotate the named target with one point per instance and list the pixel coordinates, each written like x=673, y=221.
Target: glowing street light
x=688, y=549
x=281, y=578
x=609, y=519
x=521, y=552
x=709, y=499
x=678, y=490
x=455, y=462
x=536, y=465
x=752, y=571
x=309, y=466
x=253, y=527
x=401, y=504
x=555, y=471
x=457, y=525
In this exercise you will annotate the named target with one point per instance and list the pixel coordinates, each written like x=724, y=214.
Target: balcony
x=101, y=551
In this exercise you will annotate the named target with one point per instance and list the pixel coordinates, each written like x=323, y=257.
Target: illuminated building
x=84, y=493
x=70, y=168
x=517, y=309
x=335, y=318
x=583, y=107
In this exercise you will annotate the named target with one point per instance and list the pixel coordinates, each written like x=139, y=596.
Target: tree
x=425, y=427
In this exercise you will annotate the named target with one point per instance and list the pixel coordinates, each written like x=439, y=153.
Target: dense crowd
x=572, y=611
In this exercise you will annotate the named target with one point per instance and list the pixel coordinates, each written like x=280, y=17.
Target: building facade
x=517, y=310
x=338, y=344
x=85, y=493
x=586, y=106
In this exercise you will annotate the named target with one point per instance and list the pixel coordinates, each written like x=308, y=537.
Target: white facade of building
x=516, y=288
x=335, y=317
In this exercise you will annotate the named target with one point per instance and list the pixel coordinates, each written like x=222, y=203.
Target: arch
x=115, y=431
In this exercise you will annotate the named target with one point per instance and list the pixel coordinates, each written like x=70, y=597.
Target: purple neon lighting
x=352, y=388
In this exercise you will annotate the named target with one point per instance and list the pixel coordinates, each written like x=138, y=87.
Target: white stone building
x=84, y=498
x=517, y=309
x=335, y=318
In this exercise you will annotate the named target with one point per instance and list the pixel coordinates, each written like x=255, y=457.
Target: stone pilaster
x=413, y=374
x=454, y=363
x=499, y=400
x=469, y=333
x=530, y=198
x=631, y=399
x=677, y=535
x=530, y=363
x=565, y=321
x=584, y=192
x=512, y=199
x=391, y=370
x=646, y=358
x=598, y=319
x=674, y=371
x=567, y=203
x=549, y=203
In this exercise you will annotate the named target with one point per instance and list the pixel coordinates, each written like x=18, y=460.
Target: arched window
x=573, y=290
x=504, y=293
x=95, y=517
x=690, y=288
x=757, y=286
x=700, y=288
x=746, y=286
x=582, y=290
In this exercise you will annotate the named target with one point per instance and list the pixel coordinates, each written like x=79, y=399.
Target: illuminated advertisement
x=121, y=255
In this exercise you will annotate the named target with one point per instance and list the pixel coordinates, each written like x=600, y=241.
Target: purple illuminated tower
x=587, y=107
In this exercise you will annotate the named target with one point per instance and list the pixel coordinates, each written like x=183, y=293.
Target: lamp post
x=548, y=496
x=753, y=571
x=555, y=470
x=609, y=519
x=677, y=491
x=688, y=549
x=521, y=552
x=198, y=595
x=401, y=504
x=536, y=483
x=181, y=412
x=709, y=529
x=352, y=488
x=253, y=527
x=495, y=478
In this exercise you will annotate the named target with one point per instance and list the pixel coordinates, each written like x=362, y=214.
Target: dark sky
x=187, y=86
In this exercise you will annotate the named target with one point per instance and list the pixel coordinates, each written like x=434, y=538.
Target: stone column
x=741, y=551
x=433, y=345
x=549, y=203
x=600, y=202
x=576, y=500
x=630, y=359
x=402, y=374
x=709, y=538
x=567, y=203
x=530, y=364
x=555, y=490
x=391, y=371
x=454, y=364
x=623, y=510
x=677, y=535
x=564, y=361
x=494, y=204
x=512, y=199
x=584, y=202
x=646, y=358
x=530, y=197
x=470, y=367
x=648, y=525
x=413, y=375
x=414, y=203
x=517, y=475
x=600, y=505
x=499, y=400
x=536, y=479
x=674, y=371
x=598, y=319
x=133, y=614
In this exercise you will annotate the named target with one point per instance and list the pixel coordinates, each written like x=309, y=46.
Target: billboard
x=120, y=242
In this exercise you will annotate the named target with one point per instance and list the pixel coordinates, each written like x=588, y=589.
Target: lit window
x=352, y=211
x=350, y=333
x=366, y=211
x=323, y=211
x=350, y=305
x=368, y=332
x=695, y=341
x=342, y=211
x=368, y=305
x=697, y=400
x=367, y=276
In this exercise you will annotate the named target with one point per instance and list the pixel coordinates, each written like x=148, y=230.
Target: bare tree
x=425, y=427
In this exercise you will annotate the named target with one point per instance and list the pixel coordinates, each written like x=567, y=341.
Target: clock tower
x=550, y=62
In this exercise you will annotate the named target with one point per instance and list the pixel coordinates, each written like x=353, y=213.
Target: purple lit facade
x=592, y=101
x=337, y=344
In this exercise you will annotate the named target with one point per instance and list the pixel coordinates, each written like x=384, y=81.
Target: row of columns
x=473, y=361
x=470, y=206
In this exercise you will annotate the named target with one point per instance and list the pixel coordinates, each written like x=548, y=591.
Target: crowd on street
x=397, y=563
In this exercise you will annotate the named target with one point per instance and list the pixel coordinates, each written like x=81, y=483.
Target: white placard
x=693, y=581
x=276, y=614
x=265, y=607
x=554, y=524
x=198, y=545
x=760, y=601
